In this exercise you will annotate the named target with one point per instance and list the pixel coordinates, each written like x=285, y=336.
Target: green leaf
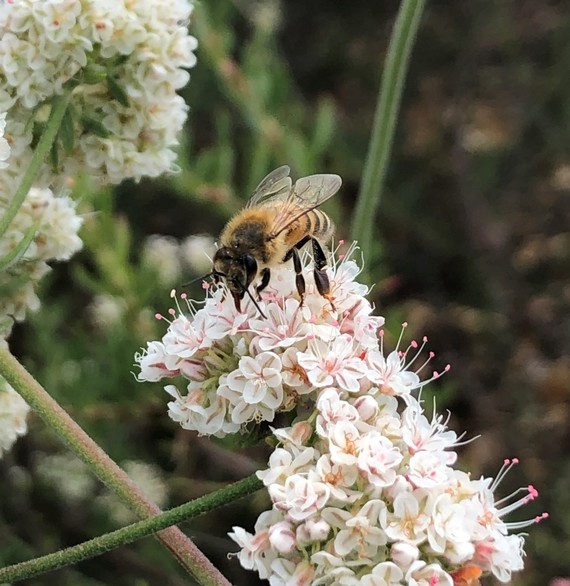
x=67, y=131
x=12, y=284
x=15, y=255
x=93, y=74
x=91, y=124
x=54, y=155
x=117, y=91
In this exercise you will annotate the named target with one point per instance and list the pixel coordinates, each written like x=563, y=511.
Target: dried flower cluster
x=362, y=484
x=122, y=61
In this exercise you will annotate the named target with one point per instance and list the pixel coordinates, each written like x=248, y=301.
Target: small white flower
x=383, y=574
x=300, y=497
x=282, y=328
x=388, y=372
x=378, y=459
x=359, y=531
x=422, y=574
x=327, y=365
x=410, y=519
x=152, y=362
x=255, y=387
x=256, y=552
x=427, y=469
x=421, y=434
x=331, y=408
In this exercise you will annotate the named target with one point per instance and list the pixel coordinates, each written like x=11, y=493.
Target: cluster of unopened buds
x=362, y=482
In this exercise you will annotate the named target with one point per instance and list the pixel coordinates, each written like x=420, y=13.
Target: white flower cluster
x=150, y=480
x=241, y=367
x=13, y=413
x=170, y=259
x=363, y=486
x=366, y=496
x=123, y=62
x=55, y=239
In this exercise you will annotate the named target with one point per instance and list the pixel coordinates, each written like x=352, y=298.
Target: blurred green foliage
x=472, y=248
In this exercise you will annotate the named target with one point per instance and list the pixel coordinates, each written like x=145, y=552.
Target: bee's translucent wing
x=277, y=185
x=307, y=194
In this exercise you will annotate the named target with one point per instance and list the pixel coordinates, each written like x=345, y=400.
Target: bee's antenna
x=198, y=279
x=255, y=303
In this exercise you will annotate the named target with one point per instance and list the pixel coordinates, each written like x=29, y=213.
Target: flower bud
x=282, y=537
x=404, y=554
x=318, y=529
x=367, y=408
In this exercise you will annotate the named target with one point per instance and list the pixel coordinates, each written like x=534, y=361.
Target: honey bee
x=277, y=221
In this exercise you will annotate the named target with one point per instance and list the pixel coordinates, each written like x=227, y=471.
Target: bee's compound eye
x=250, y=264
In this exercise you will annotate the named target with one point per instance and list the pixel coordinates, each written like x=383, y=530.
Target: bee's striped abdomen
x=321, y=226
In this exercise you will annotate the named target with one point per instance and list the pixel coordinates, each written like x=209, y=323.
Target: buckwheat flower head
x=56, y=239
x=121, y=61
x=13, y=413
x=228, y=369
x=362, y=510
x=162, y=255
x=150, y=480
x=197, y=252
x=79, y=485
x=362, y=483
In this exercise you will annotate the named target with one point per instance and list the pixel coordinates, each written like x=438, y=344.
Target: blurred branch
x=385, y=118
x=181, y=546
x=99, y=545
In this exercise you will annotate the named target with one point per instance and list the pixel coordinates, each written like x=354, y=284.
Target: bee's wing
x=276, y=186
x=307, y=194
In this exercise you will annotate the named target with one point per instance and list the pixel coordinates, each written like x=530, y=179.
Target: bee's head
x=238, y=270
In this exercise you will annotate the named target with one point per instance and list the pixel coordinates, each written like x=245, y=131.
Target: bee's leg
x=265, y=276
x=321, y=277
x=237, y=301
x=299, y=279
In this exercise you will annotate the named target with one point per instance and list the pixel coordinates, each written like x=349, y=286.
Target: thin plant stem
x=42, y=149
x=181, y=546
x=130, y=533
x=385, y=118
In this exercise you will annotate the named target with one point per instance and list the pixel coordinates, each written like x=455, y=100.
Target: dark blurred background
x=472, y=248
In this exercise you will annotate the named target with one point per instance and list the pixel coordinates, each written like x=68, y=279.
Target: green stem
x=181, y=546
x=58, y=108
x=99, y=545
x=385, y=118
